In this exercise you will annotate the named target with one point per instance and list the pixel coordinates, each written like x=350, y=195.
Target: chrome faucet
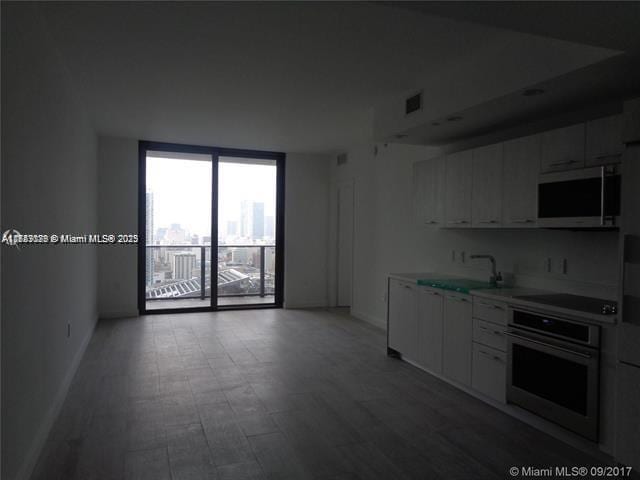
x=495, y=277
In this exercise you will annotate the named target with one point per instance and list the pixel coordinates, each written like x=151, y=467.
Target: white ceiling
x=300, y=76
x=610, y=24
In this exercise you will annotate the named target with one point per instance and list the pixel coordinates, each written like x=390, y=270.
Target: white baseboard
x=29, y=463
x=305, y=305
x=375, y=321
x=114, y=315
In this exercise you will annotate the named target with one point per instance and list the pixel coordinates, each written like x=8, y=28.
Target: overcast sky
x=182, y=191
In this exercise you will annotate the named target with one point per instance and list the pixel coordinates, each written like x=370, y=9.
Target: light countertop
x=507, y=294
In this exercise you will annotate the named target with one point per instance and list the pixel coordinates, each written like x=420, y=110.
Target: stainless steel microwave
x=584, y=198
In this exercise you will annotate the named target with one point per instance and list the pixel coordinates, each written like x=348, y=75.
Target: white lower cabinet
x=403, y=318
x=489, y=372
x=430, y=323
x=449, y=333
x=457, y=338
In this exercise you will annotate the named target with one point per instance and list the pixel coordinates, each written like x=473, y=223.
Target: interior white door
x=345, y=244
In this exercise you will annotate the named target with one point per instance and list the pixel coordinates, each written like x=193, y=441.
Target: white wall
x=48, y=186
x=306, y=230
x=117, y=213
x=384, y=240
x=306, y=220
x=387, y=238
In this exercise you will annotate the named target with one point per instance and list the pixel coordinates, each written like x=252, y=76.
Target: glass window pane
x=178, y=230
x=246, y=230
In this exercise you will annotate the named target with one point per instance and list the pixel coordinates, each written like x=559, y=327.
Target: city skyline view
x=180, y=258
x=179, y=198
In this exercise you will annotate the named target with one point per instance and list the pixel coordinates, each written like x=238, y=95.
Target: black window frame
x=216, y=152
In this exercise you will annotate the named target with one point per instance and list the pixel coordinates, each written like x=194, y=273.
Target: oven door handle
x=566, y=350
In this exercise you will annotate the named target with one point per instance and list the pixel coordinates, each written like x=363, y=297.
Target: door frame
x=216, y=153
x=346, y=183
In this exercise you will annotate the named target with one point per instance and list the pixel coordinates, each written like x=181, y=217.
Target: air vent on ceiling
x=342, y=158
x=413, y=103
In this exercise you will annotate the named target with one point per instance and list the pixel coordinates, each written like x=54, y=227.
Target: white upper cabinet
x=563, y=148
x=487, y=186
x=496, y=186
x=520, y=182
x=631, y=121
x=458, y=185
x=604, y=141
x=428, y=191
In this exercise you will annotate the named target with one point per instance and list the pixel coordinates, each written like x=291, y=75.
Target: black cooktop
x=574, y=302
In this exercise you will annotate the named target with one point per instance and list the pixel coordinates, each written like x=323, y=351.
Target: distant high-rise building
x=232, y=228
x=258, y=221
x=160, y=235
x=245, y=219
x=176, y=235
x=269, y=227
x=252, y=220
x=149, y=260
x=183, y=265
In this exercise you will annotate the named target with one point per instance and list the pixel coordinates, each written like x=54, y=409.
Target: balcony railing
x=184, y=271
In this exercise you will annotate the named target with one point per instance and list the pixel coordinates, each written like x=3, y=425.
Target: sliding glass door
x=246, y=230
x=209, y=213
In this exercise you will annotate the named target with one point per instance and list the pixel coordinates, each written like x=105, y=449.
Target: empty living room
x=320, y=240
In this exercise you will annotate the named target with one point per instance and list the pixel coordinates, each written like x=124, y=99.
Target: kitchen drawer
x=490, y=334
x=489, y=310
x=489, y=372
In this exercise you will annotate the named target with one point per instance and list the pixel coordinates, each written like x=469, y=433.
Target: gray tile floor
x=279, y=394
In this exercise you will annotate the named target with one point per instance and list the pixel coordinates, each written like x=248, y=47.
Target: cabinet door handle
x=431, y=222
x=610, y=155
x=407, y=286
x=488, y=305
x=559, y=164
x=493, y=357
x=495, y=332
x=458, y=299
x=488, y=221
x=567, y=350
x=522, y=220
x=457, y=222
x=431, y=292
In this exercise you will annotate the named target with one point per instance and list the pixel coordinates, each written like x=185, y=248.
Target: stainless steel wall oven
x=553, y=369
